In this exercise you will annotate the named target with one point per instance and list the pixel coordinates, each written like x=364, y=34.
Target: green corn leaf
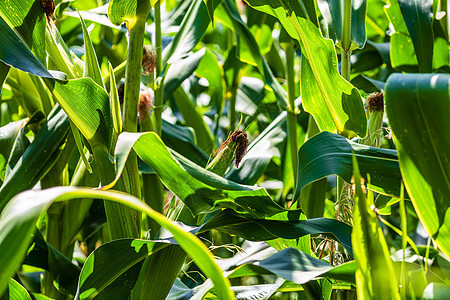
x=333, y=13
x=4, y=70
x=39, y=156
x=128, y=254
x=129, y=11
x=91, y=66
x=297, y=267
x=402, y=52
x=180, y=70
x=182, y=140
x=436, y=290
x=198, y=188
x=210, y=69
x=375, y=277
x=192, y=28
x=43, y=255
x=210, y=6
x=19, y=218
x=87, y=105
x=27, y=18
x=114, y=101
x=335, y=104
x=14, y=53
x=80, y=146
x=15, y=291
x=418, y=17
x=417, y=107
x=263, y=291
x=253, y=229
x=247, y=41
x=10, y=134
x=194, y=119
x=326, y=154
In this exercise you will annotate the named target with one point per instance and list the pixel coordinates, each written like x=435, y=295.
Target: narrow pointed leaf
x=192, y=28
x=114, y=101
x=246, y=39
x=16, y=291
x=91, y=66
x=45, y=256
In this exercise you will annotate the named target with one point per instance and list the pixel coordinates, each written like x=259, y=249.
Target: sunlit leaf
x=417, y=107
x=374, y=267
x=335, y=104
x=198, y=188
x=130, y=12
x=19, y=219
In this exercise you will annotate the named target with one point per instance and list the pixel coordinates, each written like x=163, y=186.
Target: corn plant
x=219, y=149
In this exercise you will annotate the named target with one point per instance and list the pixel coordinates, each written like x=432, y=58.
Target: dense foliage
x=217, y=149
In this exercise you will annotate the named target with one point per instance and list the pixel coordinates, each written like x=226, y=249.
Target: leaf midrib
x=313, y=65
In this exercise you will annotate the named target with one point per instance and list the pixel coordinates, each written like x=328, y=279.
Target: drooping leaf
x=335, y=104
x=326, y=154
x=182, y=140
x=198, y=188
x=180, y=70
x=263, y=229
x=367, y=85
x=27, y=18
x=417, y=107
x=298, y=267
x=180, y=291
x=14, y=53
x=10, y=134
x=19, y=218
